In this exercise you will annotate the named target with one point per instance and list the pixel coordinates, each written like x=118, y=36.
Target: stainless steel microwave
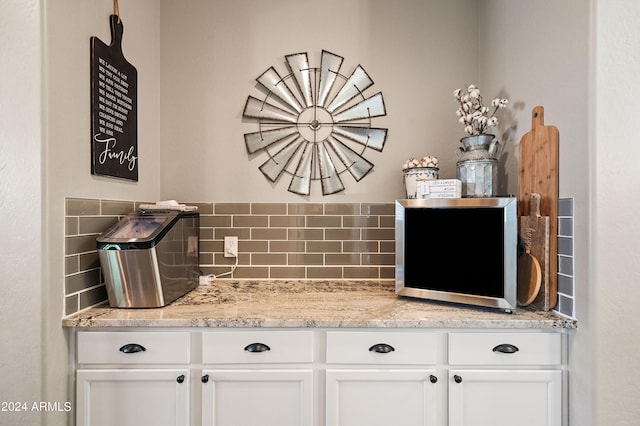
x=460, y=250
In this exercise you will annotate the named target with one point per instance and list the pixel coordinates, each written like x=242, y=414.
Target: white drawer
x=114, y=347
x=505, y=348
x=248, y=347
x=383, y=347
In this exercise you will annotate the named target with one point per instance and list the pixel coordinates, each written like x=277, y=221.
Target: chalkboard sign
x=114, y=111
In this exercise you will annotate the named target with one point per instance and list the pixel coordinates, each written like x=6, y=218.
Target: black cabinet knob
x=506, y=348
x=433, y=379
x=257, y=347
x=381, y=348
x=457, y=378
x=180, y=378
x=131, y=348
x=205, y=378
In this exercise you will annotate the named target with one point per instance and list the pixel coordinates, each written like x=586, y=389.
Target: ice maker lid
x=138, y=230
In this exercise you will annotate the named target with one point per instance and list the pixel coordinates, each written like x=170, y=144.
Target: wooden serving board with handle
x=539, y=155
x=533, y=265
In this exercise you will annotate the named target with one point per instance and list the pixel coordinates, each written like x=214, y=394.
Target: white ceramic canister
x=416, y=180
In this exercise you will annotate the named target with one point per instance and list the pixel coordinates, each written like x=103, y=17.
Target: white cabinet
x=380, y=378
x=318, y=377
x=262, y=378
x=108, y=397
x=516, y=378
x=118, y=382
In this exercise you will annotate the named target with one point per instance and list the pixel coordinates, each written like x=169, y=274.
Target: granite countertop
x=311, y=303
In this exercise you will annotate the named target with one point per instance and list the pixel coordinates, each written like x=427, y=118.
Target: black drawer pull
x=205, y=378
x=257, y=347
x=457, y=378
x=506, y=348
x=180, y=378
x=433, y=379
x=132, y=348
x=381, y=348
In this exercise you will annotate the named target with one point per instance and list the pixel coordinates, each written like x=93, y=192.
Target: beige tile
x=378, y=209
x=81, y=207
x=268, y=208
x=109, y=207
x=92, y=297
x=217, y=221
x=361, y=272
x=95, y=224
x=287, y=246
x=324, y=221
x=250, y=221
x=342, y=234
x=387, y=272
x=89, y=261
x=378, y=259
x=342, y=259
x=360, y=221
x=211, y=246
x=324, y=247
x=71, y=226
x=387, y=222
x=220, y=259
x=71, y=304
x=203, y=208
x=270, y=234
x=342, y=208
x=378, y=234
x=251, y=272
x=232, y=208
x=305, y=234
x=253, y=246
x=324, y=272
x=206, y=233
x=388, y=246
x=360, y=246
x=287, y=272
x=304, y=208
x=268, y=259
x=241, y=233
x=205, y=258
x=81, y=281
x=305, y=259
x=287, y=221
x=80, y=244
x=71, y=264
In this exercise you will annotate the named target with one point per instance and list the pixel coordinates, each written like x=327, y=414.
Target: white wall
x=614, y=228
x=417, y=52
x=21, y=207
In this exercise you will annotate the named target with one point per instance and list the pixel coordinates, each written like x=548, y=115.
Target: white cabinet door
x=505, y=397
x=357, y=397
x=257, y=397
x=107, y=397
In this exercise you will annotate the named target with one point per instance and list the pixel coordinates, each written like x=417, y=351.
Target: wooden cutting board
x=533, y=265
x=539, y=154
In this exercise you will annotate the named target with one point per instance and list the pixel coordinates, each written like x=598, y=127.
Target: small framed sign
x=114, y=112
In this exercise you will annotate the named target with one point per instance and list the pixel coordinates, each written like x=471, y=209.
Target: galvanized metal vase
x=477, y=166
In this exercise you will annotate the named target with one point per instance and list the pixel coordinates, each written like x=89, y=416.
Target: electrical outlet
x=230, y=246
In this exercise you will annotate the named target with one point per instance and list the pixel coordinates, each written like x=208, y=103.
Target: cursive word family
x=108, y=152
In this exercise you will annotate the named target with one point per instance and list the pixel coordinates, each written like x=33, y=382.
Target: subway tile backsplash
x=275, y=241
x=565, y=277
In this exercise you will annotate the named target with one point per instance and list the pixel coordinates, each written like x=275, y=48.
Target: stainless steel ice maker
x=150, y=258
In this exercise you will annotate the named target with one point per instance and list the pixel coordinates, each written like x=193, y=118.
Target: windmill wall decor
x=315, y=123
